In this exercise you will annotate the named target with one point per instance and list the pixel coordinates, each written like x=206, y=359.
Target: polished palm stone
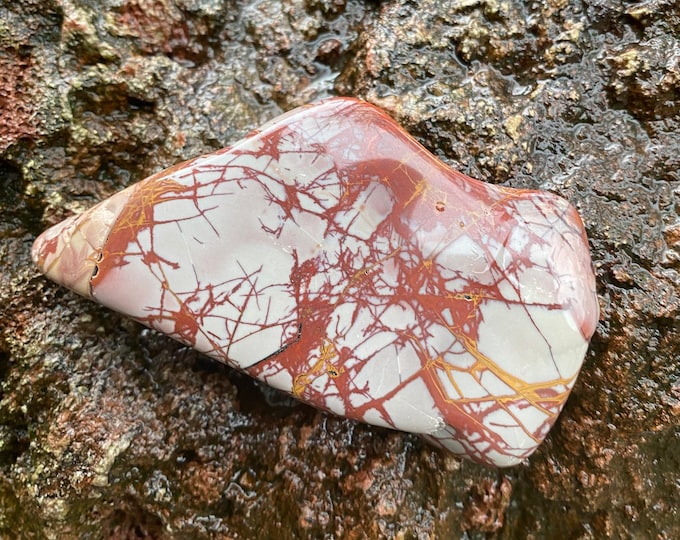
x=330, y=255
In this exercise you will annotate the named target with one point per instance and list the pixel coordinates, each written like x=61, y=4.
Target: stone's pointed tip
x=39, y=250
x=67, y=253
x=64, y=255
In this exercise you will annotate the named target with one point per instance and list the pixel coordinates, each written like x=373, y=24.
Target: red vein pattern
x=330, y=255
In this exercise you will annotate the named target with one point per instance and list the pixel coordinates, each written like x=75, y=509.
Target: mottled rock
x=524, y=95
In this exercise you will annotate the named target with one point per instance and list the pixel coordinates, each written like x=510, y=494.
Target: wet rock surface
x=108, y=430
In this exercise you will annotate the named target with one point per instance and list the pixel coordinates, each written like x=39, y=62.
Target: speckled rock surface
x=108, y=430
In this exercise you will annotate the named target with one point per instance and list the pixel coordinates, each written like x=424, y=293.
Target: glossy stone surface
x=330, y=255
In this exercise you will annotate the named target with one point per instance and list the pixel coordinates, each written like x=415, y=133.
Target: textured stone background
x=108, y=430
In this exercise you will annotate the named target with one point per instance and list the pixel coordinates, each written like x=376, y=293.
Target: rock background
x=108, y=430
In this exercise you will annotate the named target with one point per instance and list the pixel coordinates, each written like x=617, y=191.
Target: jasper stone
x=330, y=255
